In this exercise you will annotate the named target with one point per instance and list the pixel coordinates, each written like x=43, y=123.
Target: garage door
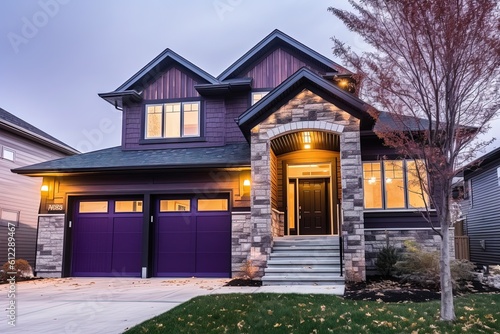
x=107, y=238
x=193, y=237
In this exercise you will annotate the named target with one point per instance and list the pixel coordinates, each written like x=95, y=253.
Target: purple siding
x=235, y=106
x=275, y=68
x=173, y=84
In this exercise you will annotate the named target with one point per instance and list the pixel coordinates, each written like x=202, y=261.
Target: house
x=214, y=171
x=22, y=144
x=480, y=206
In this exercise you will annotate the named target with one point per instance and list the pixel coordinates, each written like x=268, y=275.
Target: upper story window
x=173, y=120
x=394, y=184
x=8, y=154
x=257, y=96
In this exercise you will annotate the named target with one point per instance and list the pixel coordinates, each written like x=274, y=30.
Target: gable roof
x=482, y=163
x=20, y=127
x=272, y=41
x=132, y=88
x=117, y=160
x=303, y=78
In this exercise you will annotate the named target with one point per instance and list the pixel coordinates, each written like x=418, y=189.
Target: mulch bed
x=392, y=290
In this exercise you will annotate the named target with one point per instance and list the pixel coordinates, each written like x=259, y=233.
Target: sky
x=57, y=55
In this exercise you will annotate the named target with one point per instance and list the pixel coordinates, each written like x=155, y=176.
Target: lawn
x=294, y=313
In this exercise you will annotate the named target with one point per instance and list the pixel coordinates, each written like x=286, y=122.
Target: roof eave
x=37, y=138
x=119, y=99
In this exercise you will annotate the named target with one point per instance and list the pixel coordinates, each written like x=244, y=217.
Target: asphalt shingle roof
x=9, y=119
x=116, y=159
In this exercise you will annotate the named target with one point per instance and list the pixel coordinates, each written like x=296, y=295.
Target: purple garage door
x=107, y=238
x=193, y=238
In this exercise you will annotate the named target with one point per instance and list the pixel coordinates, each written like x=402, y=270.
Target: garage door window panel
x=213, y=204
x=93, y=207
x=175, y=205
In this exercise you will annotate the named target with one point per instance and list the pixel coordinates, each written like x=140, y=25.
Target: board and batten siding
x=483, y=216
x=275, y=68
x=21, y=193
x=172, y=84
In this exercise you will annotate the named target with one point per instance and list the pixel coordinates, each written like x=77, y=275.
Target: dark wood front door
x=312, y=207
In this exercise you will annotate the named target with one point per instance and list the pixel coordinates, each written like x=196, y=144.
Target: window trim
x=384, y=193
x=153, y=140
x=11, y=150
x=266, y=91
x=6, y=222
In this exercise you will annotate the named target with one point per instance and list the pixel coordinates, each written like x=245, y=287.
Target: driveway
x=111, y=305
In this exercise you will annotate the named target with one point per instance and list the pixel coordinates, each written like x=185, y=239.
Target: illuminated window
x=128, y=206
x=93, y=207
x=173, y=120
x=394, y=184
x=212, y=204
x=257, y=96
x=175, y=205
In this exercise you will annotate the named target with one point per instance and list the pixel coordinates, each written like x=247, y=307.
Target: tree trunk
x=447, y=306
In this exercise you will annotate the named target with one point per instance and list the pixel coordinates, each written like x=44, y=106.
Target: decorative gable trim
x=271, y=41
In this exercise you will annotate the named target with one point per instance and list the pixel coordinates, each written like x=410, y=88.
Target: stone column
x=352, y=206
x=49, y=249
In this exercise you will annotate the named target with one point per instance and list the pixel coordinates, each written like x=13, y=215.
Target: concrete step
x=333, y=271
x=302, y=248
x=307, y=254
x=312, y=242
x=304, y=262
x=303, y=280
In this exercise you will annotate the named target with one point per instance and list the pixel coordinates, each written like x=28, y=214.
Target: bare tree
x=434, y=66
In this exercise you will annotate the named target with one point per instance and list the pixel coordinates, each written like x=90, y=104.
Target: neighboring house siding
x=275, y=68
x=173, y=84
x=21, y=193
x=483, y=218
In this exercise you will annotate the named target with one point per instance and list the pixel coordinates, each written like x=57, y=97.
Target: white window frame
x=12, y=152
x=263, y=93
x=6, y=221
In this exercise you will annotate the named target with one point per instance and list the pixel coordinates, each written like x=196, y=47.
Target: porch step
x=304, y=260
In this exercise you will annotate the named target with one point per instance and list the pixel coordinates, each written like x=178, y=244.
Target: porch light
x=307, y=146
x=306, y=136
x=246, y=183
x=44, y=188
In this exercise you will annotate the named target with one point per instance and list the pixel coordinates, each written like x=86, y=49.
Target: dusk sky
x=57, y=55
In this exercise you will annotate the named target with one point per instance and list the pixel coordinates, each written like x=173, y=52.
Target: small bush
x=21, y=267
x=422, y=267
x=386, y=260
x=249, y=270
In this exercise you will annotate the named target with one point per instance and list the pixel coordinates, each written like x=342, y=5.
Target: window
x=8, y=154
x=175, y=205
x=394, y=184
x=128, y=206
x=9, y=216
x=93, y=207
x=173, y=120
x=257, y=96
x=212, y=204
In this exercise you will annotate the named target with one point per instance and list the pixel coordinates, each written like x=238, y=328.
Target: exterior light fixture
x=307, y=146
x=44, y=188
x=246, y=183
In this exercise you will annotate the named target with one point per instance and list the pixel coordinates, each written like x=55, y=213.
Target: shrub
x=422, y=267
x=386, y=260
x=21, y=267
x=249, y=270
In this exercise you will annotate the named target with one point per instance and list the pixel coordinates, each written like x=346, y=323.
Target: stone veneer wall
x=241, y=241
x=278, y=223
x=375, y=240
x=304, y=112
x=49, y=249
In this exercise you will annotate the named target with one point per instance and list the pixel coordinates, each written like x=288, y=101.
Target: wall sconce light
x=44, y=188
x=307, y=146
x=246, y=183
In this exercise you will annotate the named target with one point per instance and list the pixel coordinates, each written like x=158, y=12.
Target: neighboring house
x=214, y=171
x=22, y=144
x=481, y=208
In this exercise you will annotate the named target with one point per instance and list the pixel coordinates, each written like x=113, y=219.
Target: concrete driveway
x=111, y=305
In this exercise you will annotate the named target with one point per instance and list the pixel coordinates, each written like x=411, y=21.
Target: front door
x=312, y=207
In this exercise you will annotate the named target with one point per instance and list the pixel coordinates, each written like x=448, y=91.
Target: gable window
x=173, y=120
x=257, y=96
x=394, y=184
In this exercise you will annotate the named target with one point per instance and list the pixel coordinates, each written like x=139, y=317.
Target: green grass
x=294, y=313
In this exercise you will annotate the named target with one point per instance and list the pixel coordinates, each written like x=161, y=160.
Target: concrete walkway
x=112, y=305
